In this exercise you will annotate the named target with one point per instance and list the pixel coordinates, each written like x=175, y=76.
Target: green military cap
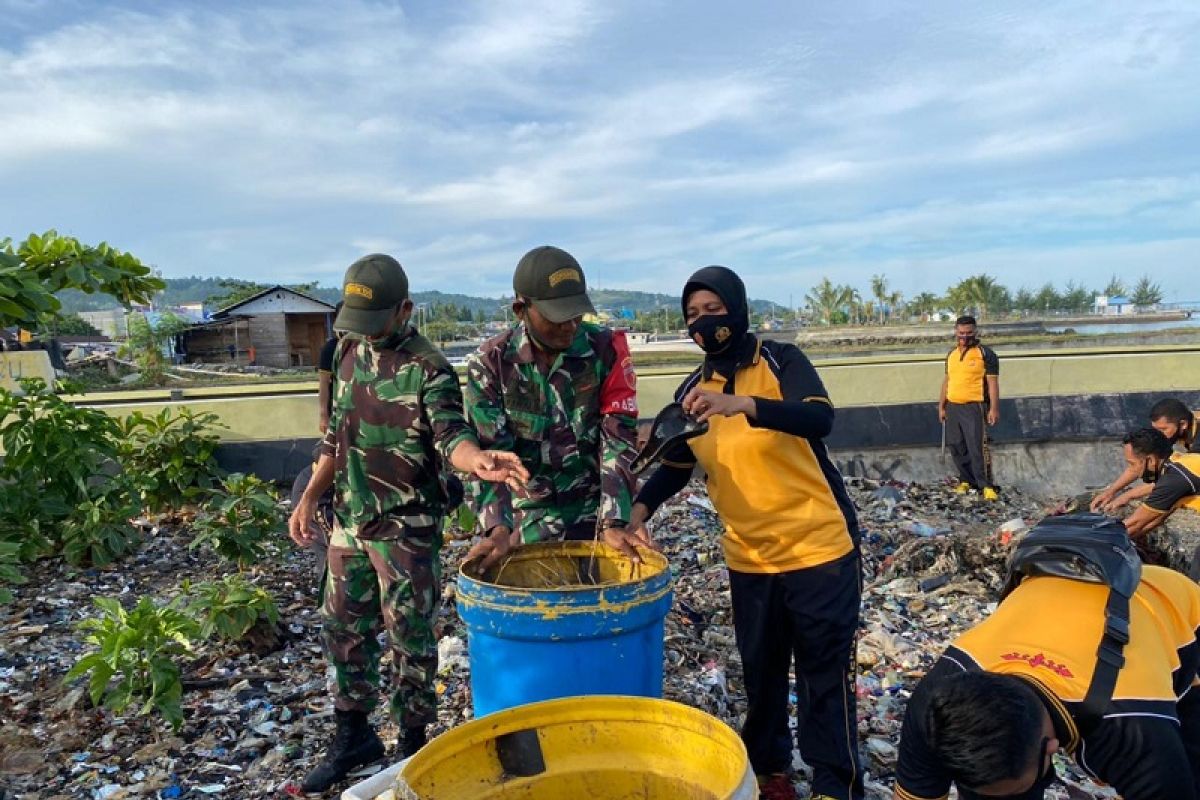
x=373, y=287
x=552, y=280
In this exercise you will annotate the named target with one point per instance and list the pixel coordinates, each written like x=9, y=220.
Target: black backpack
x=1095, y=549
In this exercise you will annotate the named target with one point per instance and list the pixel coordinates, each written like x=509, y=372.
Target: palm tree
x=978, y=293
x=879, y=286
x=926, y=304
x=853, y=303
x=825, y=299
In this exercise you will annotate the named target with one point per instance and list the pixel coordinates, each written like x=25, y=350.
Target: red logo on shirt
x=1039, y=660
x=619, y=393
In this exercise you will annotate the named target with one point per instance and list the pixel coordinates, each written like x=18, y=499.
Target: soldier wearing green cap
x=560, y=393
x=397, y=415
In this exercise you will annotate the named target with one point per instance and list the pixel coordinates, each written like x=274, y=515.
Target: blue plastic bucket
x=560, y=619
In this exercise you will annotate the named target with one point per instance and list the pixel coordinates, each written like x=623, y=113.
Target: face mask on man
x=1149, y=474
x=713, y=332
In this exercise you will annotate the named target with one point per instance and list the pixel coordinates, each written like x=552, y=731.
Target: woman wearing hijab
x=791, y=535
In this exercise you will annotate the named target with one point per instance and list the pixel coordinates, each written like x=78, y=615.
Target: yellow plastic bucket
x=597, y=747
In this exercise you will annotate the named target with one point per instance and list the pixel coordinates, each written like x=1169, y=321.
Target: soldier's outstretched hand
x=497, y=466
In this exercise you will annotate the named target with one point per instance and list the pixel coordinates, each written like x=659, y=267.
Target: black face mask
x=713, y=332
x=1149, y=475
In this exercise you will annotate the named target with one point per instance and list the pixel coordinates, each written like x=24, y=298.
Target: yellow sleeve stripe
x=676, y=464
x=818, y=399
x=904, y=794
x=1155, y=510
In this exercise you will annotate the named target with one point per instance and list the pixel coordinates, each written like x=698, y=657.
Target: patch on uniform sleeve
x=619, y=393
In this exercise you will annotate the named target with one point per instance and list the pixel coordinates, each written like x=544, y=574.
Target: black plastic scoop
x=671, y=426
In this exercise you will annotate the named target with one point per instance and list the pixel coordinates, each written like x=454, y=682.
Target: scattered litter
x=255, y=724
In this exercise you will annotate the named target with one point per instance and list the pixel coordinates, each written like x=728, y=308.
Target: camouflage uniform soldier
x=397, y=413
x=558, y=392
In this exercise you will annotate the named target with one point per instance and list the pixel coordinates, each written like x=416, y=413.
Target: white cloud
x=293, y=136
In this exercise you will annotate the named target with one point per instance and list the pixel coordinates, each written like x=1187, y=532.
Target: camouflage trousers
x=390, y=585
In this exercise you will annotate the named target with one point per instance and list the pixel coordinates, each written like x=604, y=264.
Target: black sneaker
x=354, y=745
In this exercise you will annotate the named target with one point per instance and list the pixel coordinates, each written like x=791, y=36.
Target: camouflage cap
x=373, y=287
x=553, y=281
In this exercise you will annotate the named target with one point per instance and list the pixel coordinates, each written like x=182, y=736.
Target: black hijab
x=725, y=284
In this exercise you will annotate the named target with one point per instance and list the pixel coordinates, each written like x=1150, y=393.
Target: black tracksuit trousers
x=809, y=615
x=967, y=438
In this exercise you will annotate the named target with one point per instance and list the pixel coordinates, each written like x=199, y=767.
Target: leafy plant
x=231, y=607
x=464, y=517
x=99, y=531
x=171, y=456
x=29, y=521
x=240, y=520
x=52, y=452
x=134, y=656
x=9, y=573
x=149, y=342
x=34, y=270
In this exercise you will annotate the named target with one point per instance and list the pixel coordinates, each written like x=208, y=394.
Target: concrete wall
x=1055, y=408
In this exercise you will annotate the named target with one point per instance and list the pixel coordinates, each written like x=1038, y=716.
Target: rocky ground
x=255, y=723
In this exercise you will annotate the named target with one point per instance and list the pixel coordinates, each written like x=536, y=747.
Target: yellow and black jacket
x=967, y=372
x=782, y=499
x=1177, y=485
x=1046, y=633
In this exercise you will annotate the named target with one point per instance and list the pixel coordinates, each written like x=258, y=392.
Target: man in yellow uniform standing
x=969, y=403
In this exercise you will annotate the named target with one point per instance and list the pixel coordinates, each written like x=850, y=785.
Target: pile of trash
x=255, y=723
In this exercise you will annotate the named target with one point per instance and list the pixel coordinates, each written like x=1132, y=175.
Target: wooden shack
x=278, y=327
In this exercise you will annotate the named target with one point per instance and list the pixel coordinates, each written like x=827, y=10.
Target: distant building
x=110, y=323
x=278, y=327
x=1115, y=305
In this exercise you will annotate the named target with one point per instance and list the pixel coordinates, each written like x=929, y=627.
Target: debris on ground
x=255, y=724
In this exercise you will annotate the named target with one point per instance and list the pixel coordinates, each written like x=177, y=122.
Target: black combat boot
x=354, y=745
x=411, y=740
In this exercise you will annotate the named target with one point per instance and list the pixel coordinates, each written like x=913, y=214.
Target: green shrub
x=100, y=529
x=230, y=608
x=171, y=456
x=29, y=521
x=53, y=453
x=241, y=520
x=134, y=657
x=9, y=571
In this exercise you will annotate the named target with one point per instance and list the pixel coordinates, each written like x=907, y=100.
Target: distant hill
x=182, y=291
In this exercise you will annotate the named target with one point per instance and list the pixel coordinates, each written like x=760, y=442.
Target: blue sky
x=791, y=141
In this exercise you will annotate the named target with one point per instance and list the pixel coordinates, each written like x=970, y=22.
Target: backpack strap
x=1110, y=658
x=1095, y=549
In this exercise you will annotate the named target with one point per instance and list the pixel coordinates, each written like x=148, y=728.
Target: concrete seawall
x=1061, y=413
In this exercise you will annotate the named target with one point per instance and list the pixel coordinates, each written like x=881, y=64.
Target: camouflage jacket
x=397, y=412
x=574, y=428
